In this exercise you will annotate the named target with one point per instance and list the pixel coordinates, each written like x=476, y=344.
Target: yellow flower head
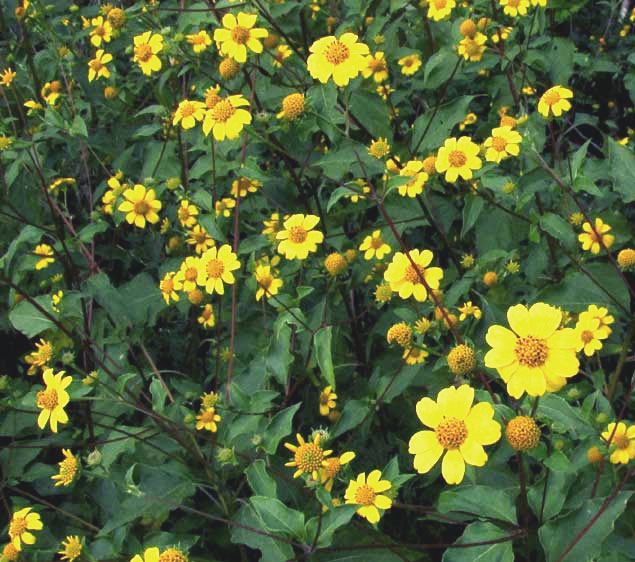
x=208, y=419
x=71, y=548
x=405, y=279
x=68, y=469
x=589, y=333
x=626, y=258
x=199, y=41
x=461, y=360
x=332, y=466
x=594, y=237
x=53, y=399
x=206, y=319
x=215, y=267
x=414, y=355
x=379, y=148
x=292, y=106
x=383, y=293
x=9, y=553
x=601, y=314
x=102, y=31
x=268, y=284
x=146, y=47
x=116, y=17
x=458, y=158
x=400, y=333
x=186, y=213
x=522, y=433
x=374, y=246
x=554, y=101
x=376, y=67
x=459, y=430
x=97, y=67
x=622, y=442
x=243, y=185
x=21, y=523
x=173, y=555
x=537, y=356
x=223, y=206
x=188, y=113
x=140, y=206
x=414, y=170
x=440, y=9
x=45, y=253
x=503, y=143
x=307, y=456
x=367, y=493
x=343, y=58
x=169, y=286
x=200, y=239
x=282, y=53
x=238, y=34
x=410, y=64
x=336, y=264
x=228, y=68
x=327, y=400
x=40, y=356
x=227, y=118
x=468, y=309
x=468, y=28
x=515, y=7
x=7, y=76
x=298, y=237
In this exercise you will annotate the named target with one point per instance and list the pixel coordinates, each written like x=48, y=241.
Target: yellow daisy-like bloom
x=537, y=356
x=188, y=113
x=400, y=333
x=238, y=34
x=468, y=309
x=7, y=76
x=169, y=286
x=626, y=258
x=383, y=293
x=206, y=319
x=140, y=206
x=209, y=400
x=212, y=97
x=224, y=206
x=51, y=91
x=410, y=64
x=102, y=31
x=501, y=34
x=200, y=239
x=336, y=264
x=268, y=284
x=503, y=143
x=228, y=68
x=384, y=90
x=173, y=555
x=116, y=17
x=490, y=278
x=199, y=41
x=413, y=169
x=461, y=360
x=601, y=314
x=591, y=237
x=298, y=237
x=589, y=334
x=146, y=47
x=414, y=355
x=53, y=399
x=272, y=226
x=97, y=67
x=422, y=325
x=376, y=67
x=555, y=101
x=623, y=442
x=406, y=280
x=68, y=469
x=150, y=555
x=343, y=58
x=21, y=523
x=458, y=158
x=45, y=253
x=110, y=197
x=5, y=142
x=460, y=430
x=440, y=9
x=40, y=356
x=327, y=400
x=522, y=433
x=515, y=7
x=195, y=296
x=374, y=246
x=308, y=456
x=9, y=553
x=208, y=419
x=227, y=118
x=331, y=467
x=282, y=52
x=71, y=548
x=242, y=186
x=187, y=213
x=468, y=28
x=379, y=148
x=216, y=266
x=367, y=494
x=292, y=107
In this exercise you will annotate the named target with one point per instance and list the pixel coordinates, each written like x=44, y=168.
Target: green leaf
x=558, y=462
x=577, y=160
x=78, y=128
x=439, y=68
x=87, y=233
x=622, y=170
x=339, y=192
x=28, y=319
x=352, y=415
x=445, y=119
x=471, y=211
x=560, y=57
x=279, y=356
x=28, y=235
x=372, y=112
x=479, y=501
x=279, y=427
x=208, y=222
x=556, y=535
x=478, y=532
x=272, y=550
x=159, y=394
x=557, y=488
x=332, y=520
x=279, y=518
x=554, y=408
x=559, y=228
x=322, y=340
x=260, y=480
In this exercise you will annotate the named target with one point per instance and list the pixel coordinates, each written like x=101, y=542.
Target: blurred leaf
x=439, y=67
x=322, y=340
x=372, y=113
x=447, y=116
x=29, y=320
x=622, y=170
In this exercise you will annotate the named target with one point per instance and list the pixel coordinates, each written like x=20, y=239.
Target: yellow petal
x=473, y=452
x=383, y=502
x=544, y=320
x=518, y=318
x=456, y=402
x=453, y=467
x=428, y=412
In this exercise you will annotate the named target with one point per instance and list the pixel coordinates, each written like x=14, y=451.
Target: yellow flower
x=439, y=9
x=292, y=107
x=58, y=182
x=414, y=355
x=460, y=430
x=68, y=469
x=208, y=419
x=209, y=400
x=223, y=206
x=515, y=7
x=53, y=399
x=461, y=359
x=268, y=285
x=458, y=158
x=46, y=256
x=242, y=186
x=384, y=90
x=383, y=293
x=522, y=433
x=379, y=148
x=592, y=236
x=468, y=309
x=102, y=31
x=199, y=41
x=188, y=113
x=555, y=101
x=626, y=258
x=51, y=91
x=298, y=237
x=467, y=260
x=400, y=333
x=40, y=357
x=410, y=64
x=273, y=225
x=150, y=555
x=422, y=325
x=227, y=118
x=9, y=553
x=376, y=67
x=173, y=555
x=140, y=206
x=188, y=273
x=238, y=34
x=536, y=357
x=468, y=28
x=414, y=170
x=186, y=213
x=512, y=267
x=406, y=280
x=216, y=266
x=331, y=467
x=327, y=400
x=374, y=246
x=367, y=494
x=601, y=314
x=589, y=332
x=56, y=299
x=5, y=142
x=21, y=523
x=71, y=549
x=116, y=17
x=146, y=47
x=228, y=68
x=307, y=456
x=502, y=33
x=169, y=286
x=200, y=239
x=503, y=143
x=97, y=66
x=342, y=58
x=206, y=319
x=282, y=52
x=7, y=76
x=490, y=278
x=623, y=441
